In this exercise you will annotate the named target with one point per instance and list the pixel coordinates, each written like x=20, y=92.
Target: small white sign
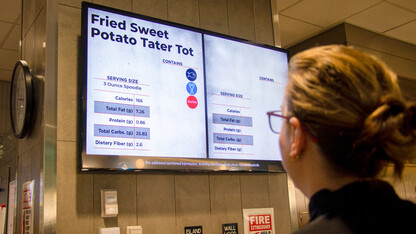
x=3, y=212
x=259, y=221
x=109, y=205
x=28, y=206
x=134, y=230
x=11, y=206
x=113, y=230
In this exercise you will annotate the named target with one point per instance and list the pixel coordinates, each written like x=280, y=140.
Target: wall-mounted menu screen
x=162, y=96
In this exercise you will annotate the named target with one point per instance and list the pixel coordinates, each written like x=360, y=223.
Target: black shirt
x=369, y=206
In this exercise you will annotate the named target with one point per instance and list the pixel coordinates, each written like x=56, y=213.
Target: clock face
x=20, y=99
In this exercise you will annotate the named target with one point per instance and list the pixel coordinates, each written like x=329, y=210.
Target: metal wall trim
x=49, y=213
x=292, y=205
x=275, y=23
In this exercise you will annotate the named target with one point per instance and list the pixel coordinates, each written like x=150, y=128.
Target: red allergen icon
x=192, y=102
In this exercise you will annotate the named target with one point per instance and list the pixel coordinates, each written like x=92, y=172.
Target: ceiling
x=301, y=19
x=9, y=36
x=298, y=20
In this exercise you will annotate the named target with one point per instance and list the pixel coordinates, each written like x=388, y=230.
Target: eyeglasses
x=276, y=123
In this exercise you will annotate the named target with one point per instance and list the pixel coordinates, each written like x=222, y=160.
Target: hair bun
x=392, y=128
x=383, y=121
x=410, y=118
x=391, y=106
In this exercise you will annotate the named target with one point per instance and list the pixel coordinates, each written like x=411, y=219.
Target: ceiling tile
x=120, y=4
x=74, y=3
x=409, y=4
x=405, y=32
x=283, y=4
x=293, y=31
x=326, y=12
x=12, y=41
x=9, y=10
x=4, y=30
x=382, y=17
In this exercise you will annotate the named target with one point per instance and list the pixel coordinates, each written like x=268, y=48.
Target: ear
x=298, y=137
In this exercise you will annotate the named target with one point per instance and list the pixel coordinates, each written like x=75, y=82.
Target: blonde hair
x=352, y=104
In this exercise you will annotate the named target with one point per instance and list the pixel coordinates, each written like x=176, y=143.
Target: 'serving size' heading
x=145, y=39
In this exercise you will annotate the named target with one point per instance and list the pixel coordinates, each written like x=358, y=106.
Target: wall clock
x=21, y=99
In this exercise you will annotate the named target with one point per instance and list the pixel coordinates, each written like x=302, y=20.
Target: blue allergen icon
x=191, y=74
x=191, y=88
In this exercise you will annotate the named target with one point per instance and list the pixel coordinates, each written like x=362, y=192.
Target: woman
x=345, y=119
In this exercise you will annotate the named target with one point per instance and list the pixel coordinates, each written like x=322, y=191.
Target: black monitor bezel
x=117, y=162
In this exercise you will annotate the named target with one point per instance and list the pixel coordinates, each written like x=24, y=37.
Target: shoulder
x=323, y=225
x=361, y=207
